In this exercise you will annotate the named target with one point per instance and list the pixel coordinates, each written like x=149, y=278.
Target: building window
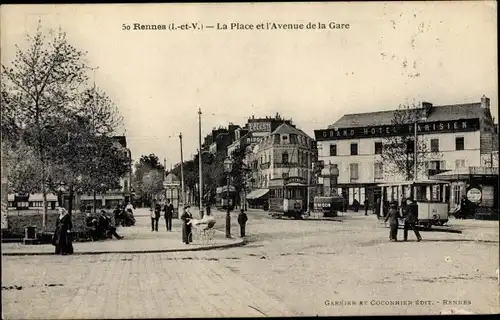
x=437, y=165
x=277, y=139
x=354, y=171
x=293, y=138
x=459, y=163
x=354, y=149
x=379, y=170
x=333, y=150
x=284, y=157
x=285, y=175
x=378, y=147
x=459, y=143
x=434, y=145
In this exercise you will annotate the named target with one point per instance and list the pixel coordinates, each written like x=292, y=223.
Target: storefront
x=478, y=184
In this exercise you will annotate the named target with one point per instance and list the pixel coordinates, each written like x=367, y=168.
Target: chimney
x=427, y=106
x=485, y=102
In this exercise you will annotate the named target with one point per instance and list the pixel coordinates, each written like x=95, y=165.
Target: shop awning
x=256, y=194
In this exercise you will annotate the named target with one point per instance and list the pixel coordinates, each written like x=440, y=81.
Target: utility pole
x=309, y=162
x=415, y=147
x=182, y=171
x=200, y=188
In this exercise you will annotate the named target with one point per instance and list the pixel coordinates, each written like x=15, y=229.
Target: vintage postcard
x=249, y=159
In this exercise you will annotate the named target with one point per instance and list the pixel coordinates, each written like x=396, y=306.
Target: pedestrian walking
x=62, y=239
x=393, y=216
x=155, y=215
x=169, y=212
x=366, y=207
x=411, y=219
x=186, y=216
x=242, y=221
x=377, y=207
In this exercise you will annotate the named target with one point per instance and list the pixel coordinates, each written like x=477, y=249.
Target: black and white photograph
x=213, y=160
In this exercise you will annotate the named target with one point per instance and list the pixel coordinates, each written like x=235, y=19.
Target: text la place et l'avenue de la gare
x=236, y=26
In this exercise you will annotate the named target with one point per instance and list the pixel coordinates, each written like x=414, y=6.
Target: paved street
x=288, y=268
x=138, y=238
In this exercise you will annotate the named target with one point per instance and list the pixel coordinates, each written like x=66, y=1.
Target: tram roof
x=413, y=182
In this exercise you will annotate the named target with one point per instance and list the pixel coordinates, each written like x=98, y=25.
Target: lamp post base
x=228, y=225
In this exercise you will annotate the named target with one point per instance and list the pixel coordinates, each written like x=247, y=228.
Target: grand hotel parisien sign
x=449, y=126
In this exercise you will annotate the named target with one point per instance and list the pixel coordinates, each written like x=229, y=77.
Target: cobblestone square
x=288, y=268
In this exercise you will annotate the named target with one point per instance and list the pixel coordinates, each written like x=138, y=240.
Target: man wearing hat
x=411, y=218
x=393, y=216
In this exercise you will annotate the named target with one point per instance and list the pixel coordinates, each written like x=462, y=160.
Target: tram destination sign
x=450, y=126
x=290, y=180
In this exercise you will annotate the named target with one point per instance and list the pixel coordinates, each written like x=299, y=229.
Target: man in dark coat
x=393, y=216
x=105, y=226
x=186, y=216
x=242, y=221
x=155, y=215
x=411, y=218
x=91, y=224
x=169, y=212
x=377, y=207
x=366, y=207
x=464, y=207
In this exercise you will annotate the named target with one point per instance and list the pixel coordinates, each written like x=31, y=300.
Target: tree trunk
x=70, y=203
x=44, y=198
x=94, y=202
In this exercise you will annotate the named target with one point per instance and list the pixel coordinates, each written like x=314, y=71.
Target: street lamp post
x=200, y=171
x=182, y=172
x=228, y=167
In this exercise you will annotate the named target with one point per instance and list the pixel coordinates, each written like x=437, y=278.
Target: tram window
x=421, y=193
x=436, y=193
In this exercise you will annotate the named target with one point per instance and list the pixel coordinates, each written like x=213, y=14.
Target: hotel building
x=462, y=137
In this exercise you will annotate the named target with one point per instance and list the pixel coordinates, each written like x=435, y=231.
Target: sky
x=440, y=52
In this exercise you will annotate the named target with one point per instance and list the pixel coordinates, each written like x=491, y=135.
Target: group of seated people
x=124, y=215
x=101, y=226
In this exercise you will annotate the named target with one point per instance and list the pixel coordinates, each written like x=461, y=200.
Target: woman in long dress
x=62, y=235
x=186, y=216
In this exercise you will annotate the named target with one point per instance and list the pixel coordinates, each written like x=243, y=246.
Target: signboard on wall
x=474, y=195
x=259, y=126
x=461, y=125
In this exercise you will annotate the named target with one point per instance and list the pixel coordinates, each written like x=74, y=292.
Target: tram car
x=288, y=197
x=329, y=205
x=225, y=198
x=432, y=198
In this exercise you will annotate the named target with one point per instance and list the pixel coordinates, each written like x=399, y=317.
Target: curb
x=205, y=248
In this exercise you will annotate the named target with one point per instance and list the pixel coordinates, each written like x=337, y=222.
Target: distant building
x=463, y=135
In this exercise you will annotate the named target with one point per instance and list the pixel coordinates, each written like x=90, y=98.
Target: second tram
x=288, y=197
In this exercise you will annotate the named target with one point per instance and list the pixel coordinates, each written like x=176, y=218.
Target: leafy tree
x=144, y=183
x=398, y=151
x=42, y=81
x=240, y=169
x=23, y=167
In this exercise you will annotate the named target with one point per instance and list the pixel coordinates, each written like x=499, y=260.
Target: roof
x=438, y=113
x=171, y=178
x=287, y=129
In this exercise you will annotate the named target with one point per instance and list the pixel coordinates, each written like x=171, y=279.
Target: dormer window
x=277, y=139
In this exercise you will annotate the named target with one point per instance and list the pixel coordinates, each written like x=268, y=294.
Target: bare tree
x=41, y=82
x=398, y=151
